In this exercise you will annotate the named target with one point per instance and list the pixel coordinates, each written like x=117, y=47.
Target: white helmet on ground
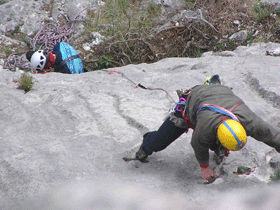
x=39, y=59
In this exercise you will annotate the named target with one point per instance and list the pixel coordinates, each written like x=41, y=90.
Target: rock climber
x=221, y=122
x=63, y=59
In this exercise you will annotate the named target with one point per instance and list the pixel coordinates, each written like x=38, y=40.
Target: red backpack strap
x=230, y=109
x=187, y=119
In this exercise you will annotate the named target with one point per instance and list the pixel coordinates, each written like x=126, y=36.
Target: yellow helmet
x=232, y=135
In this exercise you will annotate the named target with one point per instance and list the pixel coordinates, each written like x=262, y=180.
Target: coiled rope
x=46, y=38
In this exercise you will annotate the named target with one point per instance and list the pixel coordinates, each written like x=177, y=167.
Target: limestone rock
x=239, y=36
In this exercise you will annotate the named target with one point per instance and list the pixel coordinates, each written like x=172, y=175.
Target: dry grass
x=131, y=37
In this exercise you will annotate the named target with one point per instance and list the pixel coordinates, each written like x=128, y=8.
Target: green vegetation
x=154, y=9
x=249, y=38
x=277, y=11
x=125, y=24
x=197, y=52
x=25, y=82
x=7, y=50
x=275, y=176
x=228, y=45
x=122, y=18
x=17, y=30
x=26, y=41
x=104, y=62
x=263, y=11
x=243, y=170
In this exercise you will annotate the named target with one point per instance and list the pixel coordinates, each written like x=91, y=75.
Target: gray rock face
x=239, y=36
x=66, y=137
x=29, y=15
x=275, y=162
x=4, y=1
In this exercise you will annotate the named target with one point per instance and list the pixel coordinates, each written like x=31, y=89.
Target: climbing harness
x=180, y=106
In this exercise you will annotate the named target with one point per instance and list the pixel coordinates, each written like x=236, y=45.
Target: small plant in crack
x=25, y=82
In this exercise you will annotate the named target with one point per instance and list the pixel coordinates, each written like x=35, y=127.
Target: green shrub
x=26, y=41
x=153, y=8
x=174, y=54
x=104, y=62
x=242, y=169
x=197, y=52
x=220, y=46
x=263, y=11
x=120, y=20
x=7, y=50
x=276, y=176
x=17, y=30
x=25, y=82
x=277, y=11
x=249, y=38
x=228, y=45
x=127, y=17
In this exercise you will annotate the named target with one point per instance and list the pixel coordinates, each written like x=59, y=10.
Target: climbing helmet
x=39, y=60
x=232, y=135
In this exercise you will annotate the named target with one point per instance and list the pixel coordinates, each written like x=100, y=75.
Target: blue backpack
x=69, y=57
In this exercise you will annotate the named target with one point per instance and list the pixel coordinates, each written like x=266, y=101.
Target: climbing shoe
x=141, y=155
x=216, y=79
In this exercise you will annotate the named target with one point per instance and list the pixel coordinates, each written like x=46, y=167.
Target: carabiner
x=180, y=104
